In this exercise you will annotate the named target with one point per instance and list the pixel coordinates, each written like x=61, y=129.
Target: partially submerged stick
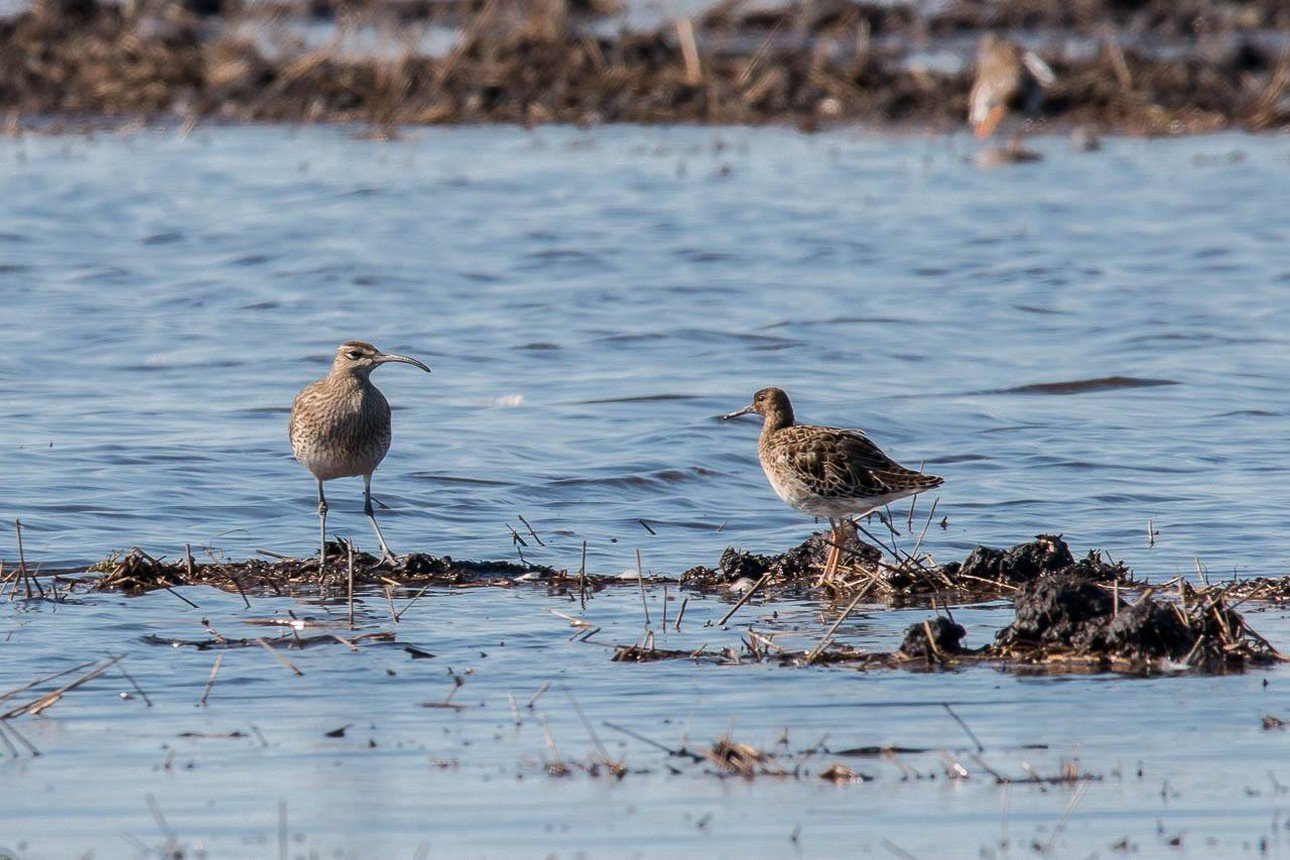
x=351, y=586
x=582, y=577
x=971, y=734
x=274, y=651
x=815, y=652
x=27, y=686
x=765, y=577
x=50, y=699
x=27, y=578
x=210, y=682
x=640, y=581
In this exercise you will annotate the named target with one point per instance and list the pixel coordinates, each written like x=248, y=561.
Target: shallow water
x=589, y=302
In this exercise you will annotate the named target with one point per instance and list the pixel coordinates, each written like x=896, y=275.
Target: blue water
x=589, y=302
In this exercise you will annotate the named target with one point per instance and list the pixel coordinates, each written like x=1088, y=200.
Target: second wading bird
x=340, y=428
x=1007, y=75
x=827, y=471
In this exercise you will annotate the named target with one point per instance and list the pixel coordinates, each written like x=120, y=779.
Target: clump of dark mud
x=1070, y=616
x=986, y=573
x=801, y=564
x=933, y=639
x=1067, y=622
x=1165, y=68
x=135, y=572
x=1023, y=563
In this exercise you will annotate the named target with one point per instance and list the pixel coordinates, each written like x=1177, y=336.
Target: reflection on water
x=590, y=301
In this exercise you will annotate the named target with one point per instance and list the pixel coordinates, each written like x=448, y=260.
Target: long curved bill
x=737, y=413
x=386, y=357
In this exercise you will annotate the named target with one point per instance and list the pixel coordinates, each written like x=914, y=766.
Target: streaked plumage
x=830, y=472
x=340, y=426
x=827, y=472
x=1007, y=76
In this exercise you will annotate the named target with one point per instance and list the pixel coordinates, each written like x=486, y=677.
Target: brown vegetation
x=534, y=62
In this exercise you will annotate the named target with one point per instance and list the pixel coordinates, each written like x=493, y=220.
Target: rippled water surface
x=590, y=301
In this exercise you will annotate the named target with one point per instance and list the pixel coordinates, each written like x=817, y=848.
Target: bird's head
x=772, y=405
x=361, y=358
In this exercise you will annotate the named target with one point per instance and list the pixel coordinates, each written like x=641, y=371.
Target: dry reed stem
x=210, y=682
x=828, y=636
x=765, y=577
x=640, y=582
x=263, y=643
x=689, y=52
x=50, y=699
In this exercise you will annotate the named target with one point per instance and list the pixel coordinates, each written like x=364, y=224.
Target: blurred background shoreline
x=1137, y=67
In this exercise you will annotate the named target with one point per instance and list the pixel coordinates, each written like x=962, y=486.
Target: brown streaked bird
x=827, y=471
x=340, y=428
x=1007, y=75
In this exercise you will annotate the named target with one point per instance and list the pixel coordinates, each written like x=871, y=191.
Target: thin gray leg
x=371, y=518
x=322, y=528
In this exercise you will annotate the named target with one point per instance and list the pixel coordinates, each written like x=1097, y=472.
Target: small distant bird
x=340, y=428
x=1007, y=76
x=827, y=471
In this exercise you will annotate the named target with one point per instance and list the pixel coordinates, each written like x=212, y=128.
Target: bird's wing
x=1037, y=67
x=837, y=463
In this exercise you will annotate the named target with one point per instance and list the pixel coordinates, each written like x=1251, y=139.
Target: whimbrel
x=340, y=428
x=827, y=471
x=1007, y=75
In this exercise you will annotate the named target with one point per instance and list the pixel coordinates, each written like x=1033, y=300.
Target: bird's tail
x=909, y=480
x=927, y=482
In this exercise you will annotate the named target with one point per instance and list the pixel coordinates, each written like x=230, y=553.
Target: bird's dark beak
x=385, y=358
x=738, y=412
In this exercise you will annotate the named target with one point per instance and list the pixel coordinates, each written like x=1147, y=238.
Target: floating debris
x=136, y=572
x=220, y=643
x=742, y=759
x=1086, y=615
x=840, y=774
x=649, y=654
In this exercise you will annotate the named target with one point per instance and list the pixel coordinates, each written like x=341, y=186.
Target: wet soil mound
x=1023, y=563
x=933, y=639
x=135, y=572
x=986, y=573
x=802, y=563
x=1071, y=616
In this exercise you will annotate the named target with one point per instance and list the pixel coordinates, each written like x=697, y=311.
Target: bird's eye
x=354, y=355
